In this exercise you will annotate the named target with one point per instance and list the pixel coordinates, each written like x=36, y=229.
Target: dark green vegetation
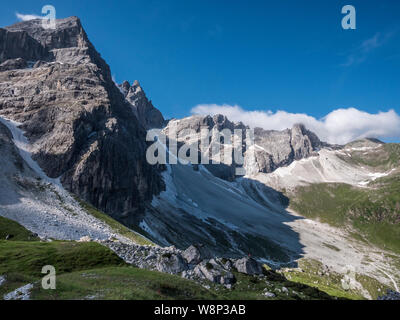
x=22, y=261
x=373, y=212
x=284, y=289
x=90, y=271
x=14, y=231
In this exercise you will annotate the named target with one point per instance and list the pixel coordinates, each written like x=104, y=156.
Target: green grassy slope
x=92, y=271
x=89, y=270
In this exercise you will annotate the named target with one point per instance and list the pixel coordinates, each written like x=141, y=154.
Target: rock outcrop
x=149, y=116
x=272, y=149
x=188, y=130
x=390, y=295
x=214, y=272
x=82, y=129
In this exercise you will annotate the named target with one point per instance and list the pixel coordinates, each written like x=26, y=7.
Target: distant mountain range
x=71, y=138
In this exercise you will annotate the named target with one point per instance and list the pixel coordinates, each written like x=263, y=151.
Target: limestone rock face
x=11, y=161
x=248, y=266
x=79, y=123
x=149, y=116
x=273, y=149
x=17, y=43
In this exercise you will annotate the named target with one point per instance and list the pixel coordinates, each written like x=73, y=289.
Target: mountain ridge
x=89, y=134
x=78, y=121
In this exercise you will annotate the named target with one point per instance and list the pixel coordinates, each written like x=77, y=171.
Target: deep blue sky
x=289, y=55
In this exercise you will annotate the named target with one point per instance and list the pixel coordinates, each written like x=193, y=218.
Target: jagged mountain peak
x=136, y=84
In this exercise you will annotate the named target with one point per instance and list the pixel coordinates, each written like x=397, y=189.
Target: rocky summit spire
x=149, y=116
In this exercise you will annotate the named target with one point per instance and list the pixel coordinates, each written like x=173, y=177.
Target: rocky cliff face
x=145, y=112
x=57, y=85
x=188, y=130
x=273, y=149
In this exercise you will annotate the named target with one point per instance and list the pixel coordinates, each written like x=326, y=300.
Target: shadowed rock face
x=79, y=123
x=148, y=116
x=19, y=44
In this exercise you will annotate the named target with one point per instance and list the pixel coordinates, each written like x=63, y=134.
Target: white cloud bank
x=27, y=17
x=339, y=126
